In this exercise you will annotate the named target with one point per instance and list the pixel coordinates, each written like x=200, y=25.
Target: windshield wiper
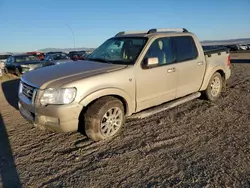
x=100, y=60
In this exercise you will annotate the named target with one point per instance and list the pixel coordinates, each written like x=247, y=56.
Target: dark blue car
x=20, y=64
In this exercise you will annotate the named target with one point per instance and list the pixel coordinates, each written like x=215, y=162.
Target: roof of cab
x=6, y=53
x=153, y=32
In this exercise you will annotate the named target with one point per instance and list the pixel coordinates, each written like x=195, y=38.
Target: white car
x=243, y=47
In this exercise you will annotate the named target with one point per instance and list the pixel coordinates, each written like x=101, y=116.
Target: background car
x=55, y=59
x=58, y=52
x=243, y=47
x=4, y=57
x=248, y=46
x=38, y=55
x=233, y=47
x=88, y=52
x=20, y=64
x=78, y=55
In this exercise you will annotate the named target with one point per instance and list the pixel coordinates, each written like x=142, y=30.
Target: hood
x=66, y=73
x=62, y=61
x=30, y=62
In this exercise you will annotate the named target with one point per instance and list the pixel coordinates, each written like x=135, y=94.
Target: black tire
x=6, y=71
x=95, y=122
x=17, y=71
x=211, y=93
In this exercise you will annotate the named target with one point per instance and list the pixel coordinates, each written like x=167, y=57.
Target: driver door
x=48, y=60
x=10, y=64
x=156, y=85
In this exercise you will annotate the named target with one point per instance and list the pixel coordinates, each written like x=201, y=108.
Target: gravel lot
x=198, y=144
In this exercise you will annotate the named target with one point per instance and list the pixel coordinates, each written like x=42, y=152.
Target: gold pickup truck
x=134, y=74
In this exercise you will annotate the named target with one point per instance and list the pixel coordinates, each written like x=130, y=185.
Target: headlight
x=58, y=96
x=35, y=66
x=20, y=90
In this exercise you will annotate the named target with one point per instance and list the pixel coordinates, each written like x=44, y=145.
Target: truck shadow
x=8, y=172
x=10, y=90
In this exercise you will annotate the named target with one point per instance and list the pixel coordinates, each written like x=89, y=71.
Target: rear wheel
x=214, y=88
x=104, y=118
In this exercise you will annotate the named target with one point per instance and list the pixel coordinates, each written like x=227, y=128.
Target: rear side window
x=185, y=48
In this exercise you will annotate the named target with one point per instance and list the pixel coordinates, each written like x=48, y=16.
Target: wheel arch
x=208, y=77
x=128, y=103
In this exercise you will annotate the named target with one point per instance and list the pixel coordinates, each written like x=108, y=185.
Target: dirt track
x=198, y=144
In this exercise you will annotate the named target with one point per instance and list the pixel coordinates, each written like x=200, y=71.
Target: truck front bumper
x=56, y=118
x=228, y=74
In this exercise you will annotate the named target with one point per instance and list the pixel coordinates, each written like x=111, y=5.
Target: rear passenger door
x=190, y=65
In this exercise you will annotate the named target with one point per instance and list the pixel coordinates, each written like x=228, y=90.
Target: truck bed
x=218, y=51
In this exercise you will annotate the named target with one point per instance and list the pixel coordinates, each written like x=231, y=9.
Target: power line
x=72, y=34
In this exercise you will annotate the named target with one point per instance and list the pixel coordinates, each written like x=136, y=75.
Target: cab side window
x=9, y=60
x=162, y=49
x=13, y=60
x=185, y=48
x=48, y=57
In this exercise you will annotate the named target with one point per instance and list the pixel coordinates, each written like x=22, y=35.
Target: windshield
x=71, y=54
x=60, y=56
x=119, y=50
x=24, y=58
x=3, y=57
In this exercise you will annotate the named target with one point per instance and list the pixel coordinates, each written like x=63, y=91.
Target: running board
x=165, y=106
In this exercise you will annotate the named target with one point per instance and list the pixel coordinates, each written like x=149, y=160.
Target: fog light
x=51, y=121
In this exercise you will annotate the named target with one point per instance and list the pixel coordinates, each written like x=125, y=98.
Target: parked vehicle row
x=233, y=47
x=21, y=63
x=73, y=55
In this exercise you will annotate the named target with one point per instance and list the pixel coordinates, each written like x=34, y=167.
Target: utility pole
x=73, y=34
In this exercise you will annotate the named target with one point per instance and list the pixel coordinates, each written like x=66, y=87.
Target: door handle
x=200, y=63
x=171, y=70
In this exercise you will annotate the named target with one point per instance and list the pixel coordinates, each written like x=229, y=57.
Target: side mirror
x=151, y=62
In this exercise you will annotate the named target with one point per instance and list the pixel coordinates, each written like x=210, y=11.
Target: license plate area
x=27, y=115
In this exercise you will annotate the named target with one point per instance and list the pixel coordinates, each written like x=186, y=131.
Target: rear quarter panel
x=215, y=63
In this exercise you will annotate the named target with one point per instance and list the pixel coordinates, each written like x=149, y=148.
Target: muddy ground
x=198, y=144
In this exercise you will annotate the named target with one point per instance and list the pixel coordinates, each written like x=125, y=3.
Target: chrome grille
x=28, y=91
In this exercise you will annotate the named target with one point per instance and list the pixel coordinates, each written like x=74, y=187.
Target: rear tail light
x=228, y=61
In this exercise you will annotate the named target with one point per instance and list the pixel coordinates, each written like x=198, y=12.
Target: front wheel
x=104, y=118
x=5, y=70
x=18, y=72
x=214, y=88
